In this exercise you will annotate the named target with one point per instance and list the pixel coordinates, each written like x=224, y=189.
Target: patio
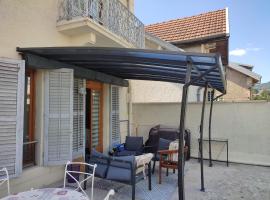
x=235, y=182
x=114, y=65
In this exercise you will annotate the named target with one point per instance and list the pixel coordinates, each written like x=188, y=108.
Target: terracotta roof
x=197, y=27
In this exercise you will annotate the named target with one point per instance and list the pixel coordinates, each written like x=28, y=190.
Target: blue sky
x=249, y=25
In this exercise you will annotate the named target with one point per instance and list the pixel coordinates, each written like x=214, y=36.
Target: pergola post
x=181, y=161
x=201, y=137
x=210, y=128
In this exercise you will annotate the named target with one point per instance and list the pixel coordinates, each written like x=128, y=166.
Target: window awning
x=140, y=64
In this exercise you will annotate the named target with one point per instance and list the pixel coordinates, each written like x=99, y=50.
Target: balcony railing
x=112, y=14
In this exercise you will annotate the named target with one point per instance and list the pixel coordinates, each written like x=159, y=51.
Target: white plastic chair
x=4, y=177
x=110, y=193
x=86, y=176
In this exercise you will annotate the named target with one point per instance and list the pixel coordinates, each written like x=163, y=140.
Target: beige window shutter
x=12, y=78
x=79, y=93
x=115, y=122
x=58, y=120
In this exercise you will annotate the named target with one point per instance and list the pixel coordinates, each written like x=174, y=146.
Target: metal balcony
x=111, y=14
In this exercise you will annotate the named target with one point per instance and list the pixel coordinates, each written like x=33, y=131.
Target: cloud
x=238, y=52
x=242, y=52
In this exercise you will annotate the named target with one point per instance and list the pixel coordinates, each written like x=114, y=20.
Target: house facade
x=240, y=80
x=204, y=33
x=52, y=115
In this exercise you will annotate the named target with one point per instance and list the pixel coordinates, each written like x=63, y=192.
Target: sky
x=249, y=22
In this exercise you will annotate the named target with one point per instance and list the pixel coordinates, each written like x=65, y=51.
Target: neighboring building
x=240, y=80
x=206, y=33
x=203, y=33
x=62, y=115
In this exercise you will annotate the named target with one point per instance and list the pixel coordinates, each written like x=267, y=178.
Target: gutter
x=222, y=35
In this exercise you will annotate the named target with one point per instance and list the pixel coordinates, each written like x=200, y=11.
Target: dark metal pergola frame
x=188, y=82
x=113, y=65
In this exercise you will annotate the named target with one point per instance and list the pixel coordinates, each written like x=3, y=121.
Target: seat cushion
x=133, y=143
x=120, y=170
x=102, y=163
x=126, y=153
x=119, y=174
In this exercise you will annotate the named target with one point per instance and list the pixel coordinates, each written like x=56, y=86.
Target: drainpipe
x=199, y=94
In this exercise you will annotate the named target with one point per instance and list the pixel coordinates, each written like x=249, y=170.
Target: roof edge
x=227, y=21
x=163, y=43
x=245, y=71
x=215, y=36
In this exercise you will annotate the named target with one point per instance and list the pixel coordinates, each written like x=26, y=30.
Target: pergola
x=114, y=65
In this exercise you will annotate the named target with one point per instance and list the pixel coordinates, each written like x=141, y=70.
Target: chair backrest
x=133, y=143
x=110, y=193
x=73, y=171
x=163, y=144
x=4, y=177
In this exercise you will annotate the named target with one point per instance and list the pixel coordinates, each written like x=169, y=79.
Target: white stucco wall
x=245, y=124
x=160, y=92
x=32, y=23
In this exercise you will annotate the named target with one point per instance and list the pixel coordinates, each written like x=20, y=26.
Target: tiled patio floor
x=233, y=183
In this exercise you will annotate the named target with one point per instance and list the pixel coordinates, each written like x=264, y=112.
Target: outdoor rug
x=162, y=191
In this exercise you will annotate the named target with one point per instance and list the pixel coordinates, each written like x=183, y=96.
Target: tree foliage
x=263, y=95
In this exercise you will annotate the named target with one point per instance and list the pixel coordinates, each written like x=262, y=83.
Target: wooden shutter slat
x=78, y=118
x=59, y=126
x=11, y=114
x=115, y=122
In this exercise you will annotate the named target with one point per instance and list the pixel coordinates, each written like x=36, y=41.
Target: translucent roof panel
x=140, y=64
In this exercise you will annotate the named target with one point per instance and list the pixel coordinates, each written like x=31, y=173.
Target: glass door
x=94, y=135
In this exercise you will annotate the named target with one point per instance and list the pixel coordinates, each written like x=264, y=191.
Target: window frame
x=98, y=86
x=32, y=114
x=32, y=109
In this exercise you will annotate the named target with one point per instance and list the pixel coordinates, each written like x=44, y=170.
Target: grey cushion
x=164, y=144
x=101, y=161
x=121, y=171
x=119, y=174
x=133, y=143
x=126, y=153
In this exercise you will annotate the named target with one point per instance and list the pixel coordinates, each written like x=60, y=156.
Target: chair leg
x=167, y=172
x=149, y=177
x=133, y=191
x=174, y=171
x=159, y=173
x=154, y=165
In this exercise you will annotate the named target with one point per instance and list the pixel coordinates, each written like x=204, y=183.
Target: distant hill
x=263, y=86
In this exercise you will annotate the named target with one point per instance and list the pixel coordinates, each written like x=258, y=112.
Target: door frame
x=93, y=85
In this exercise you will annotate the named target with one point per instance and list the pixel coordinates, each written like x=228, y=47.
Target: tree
x=264, y=95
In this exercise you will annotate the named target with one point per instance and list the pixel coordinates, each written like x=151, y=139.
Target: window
x=94, y=116
x=210, y=95
x=29, y=120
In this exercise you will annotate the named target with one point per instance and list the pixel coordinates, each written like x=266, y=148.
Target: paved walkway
x=235, y=182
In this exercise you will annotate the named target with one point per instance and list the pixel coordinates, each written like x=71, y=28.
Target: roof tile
x=189, y=28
